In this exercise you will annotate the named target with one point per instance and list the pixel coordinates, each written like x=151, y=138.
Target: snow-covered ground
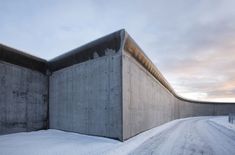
x=196, y=135
x=223, y=121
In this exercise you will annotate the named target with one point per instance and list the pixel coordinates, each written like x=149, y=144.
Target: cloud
x=208, y=66
x=191, y=42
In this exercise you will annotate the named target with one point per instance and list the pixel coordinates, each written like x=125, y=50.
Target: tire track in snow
x=194, y=136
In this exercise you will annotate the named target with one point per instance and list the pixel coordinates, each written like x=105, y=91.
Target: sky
x=192, y=42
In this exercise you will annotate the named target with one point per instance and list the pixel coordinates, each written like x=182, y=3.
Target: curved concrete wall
x=108, y=88
x=147, y=103
x=149, y=100
x=139, y=95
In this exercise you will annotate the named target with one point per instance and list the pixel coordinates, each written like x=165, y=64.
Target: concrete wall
x=86, y=97
x=108, y=88
x=23, y=99
x=191, y=109
x=147, y=103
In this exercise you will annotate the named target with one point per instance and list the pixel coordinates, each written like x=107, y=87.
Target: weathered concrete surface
x=108, y=87
x=146, y=103
x=86, y=97
x=23, y=99
x=149, y=100
x=23, y=91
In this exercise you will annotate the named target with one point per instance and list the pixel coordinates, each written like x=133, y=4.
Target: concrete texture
x=23, y=99
x=149, y=100
x=86, y=97
x=23, y=92
x=108, y=88
x=146, y=103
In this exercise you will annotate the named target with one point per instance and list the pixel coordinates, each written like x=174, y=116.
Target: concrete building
x=108, y=88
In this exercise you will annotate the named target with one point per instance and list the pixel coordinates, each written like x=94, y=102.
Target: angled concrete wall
x=139, y=95
x=23, y=94
x=148, y=99
x=108, y=88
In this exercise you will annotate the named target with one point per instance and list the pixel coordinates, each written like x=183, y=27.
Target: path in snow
x=195, y=136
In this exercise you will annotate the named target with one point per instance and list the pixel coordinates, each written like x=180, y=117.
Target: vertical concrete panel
x=126, y=97
x=202, y=109
x=224, y=109
x=86, y=97
x=186, y=109
x=146, y=103
x=23, y=99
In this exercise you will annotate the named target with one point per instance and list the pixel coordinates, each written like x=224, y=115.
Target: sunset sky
x=192, y=42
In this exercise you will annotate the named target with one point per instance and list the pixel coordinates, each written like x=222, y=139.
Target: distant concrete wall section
x=107, y=88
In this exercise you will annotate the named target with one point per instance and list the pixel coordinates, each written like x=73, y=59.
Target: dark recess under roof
x=85, y=52
x=19, y=58
x=78, y=55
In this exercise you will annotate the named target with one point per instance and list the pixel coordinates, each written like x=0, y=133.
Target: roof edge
x=17, y=57
x=91, y=50
x=130, y=46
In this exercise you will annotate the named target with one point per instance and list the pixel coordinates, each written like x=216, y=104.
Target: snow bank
x=223, y=121
x=53, y=142
x=56, y=142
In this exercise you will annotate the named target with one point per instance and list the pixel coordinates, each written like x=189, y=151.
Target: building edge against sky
x=107, y=87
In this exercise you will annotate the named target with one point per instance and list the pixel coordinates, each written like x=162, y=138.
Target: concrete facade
x=86, y=97
x=23, y=97
x=108, y=88
x=149, y=100
x=146, y=103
